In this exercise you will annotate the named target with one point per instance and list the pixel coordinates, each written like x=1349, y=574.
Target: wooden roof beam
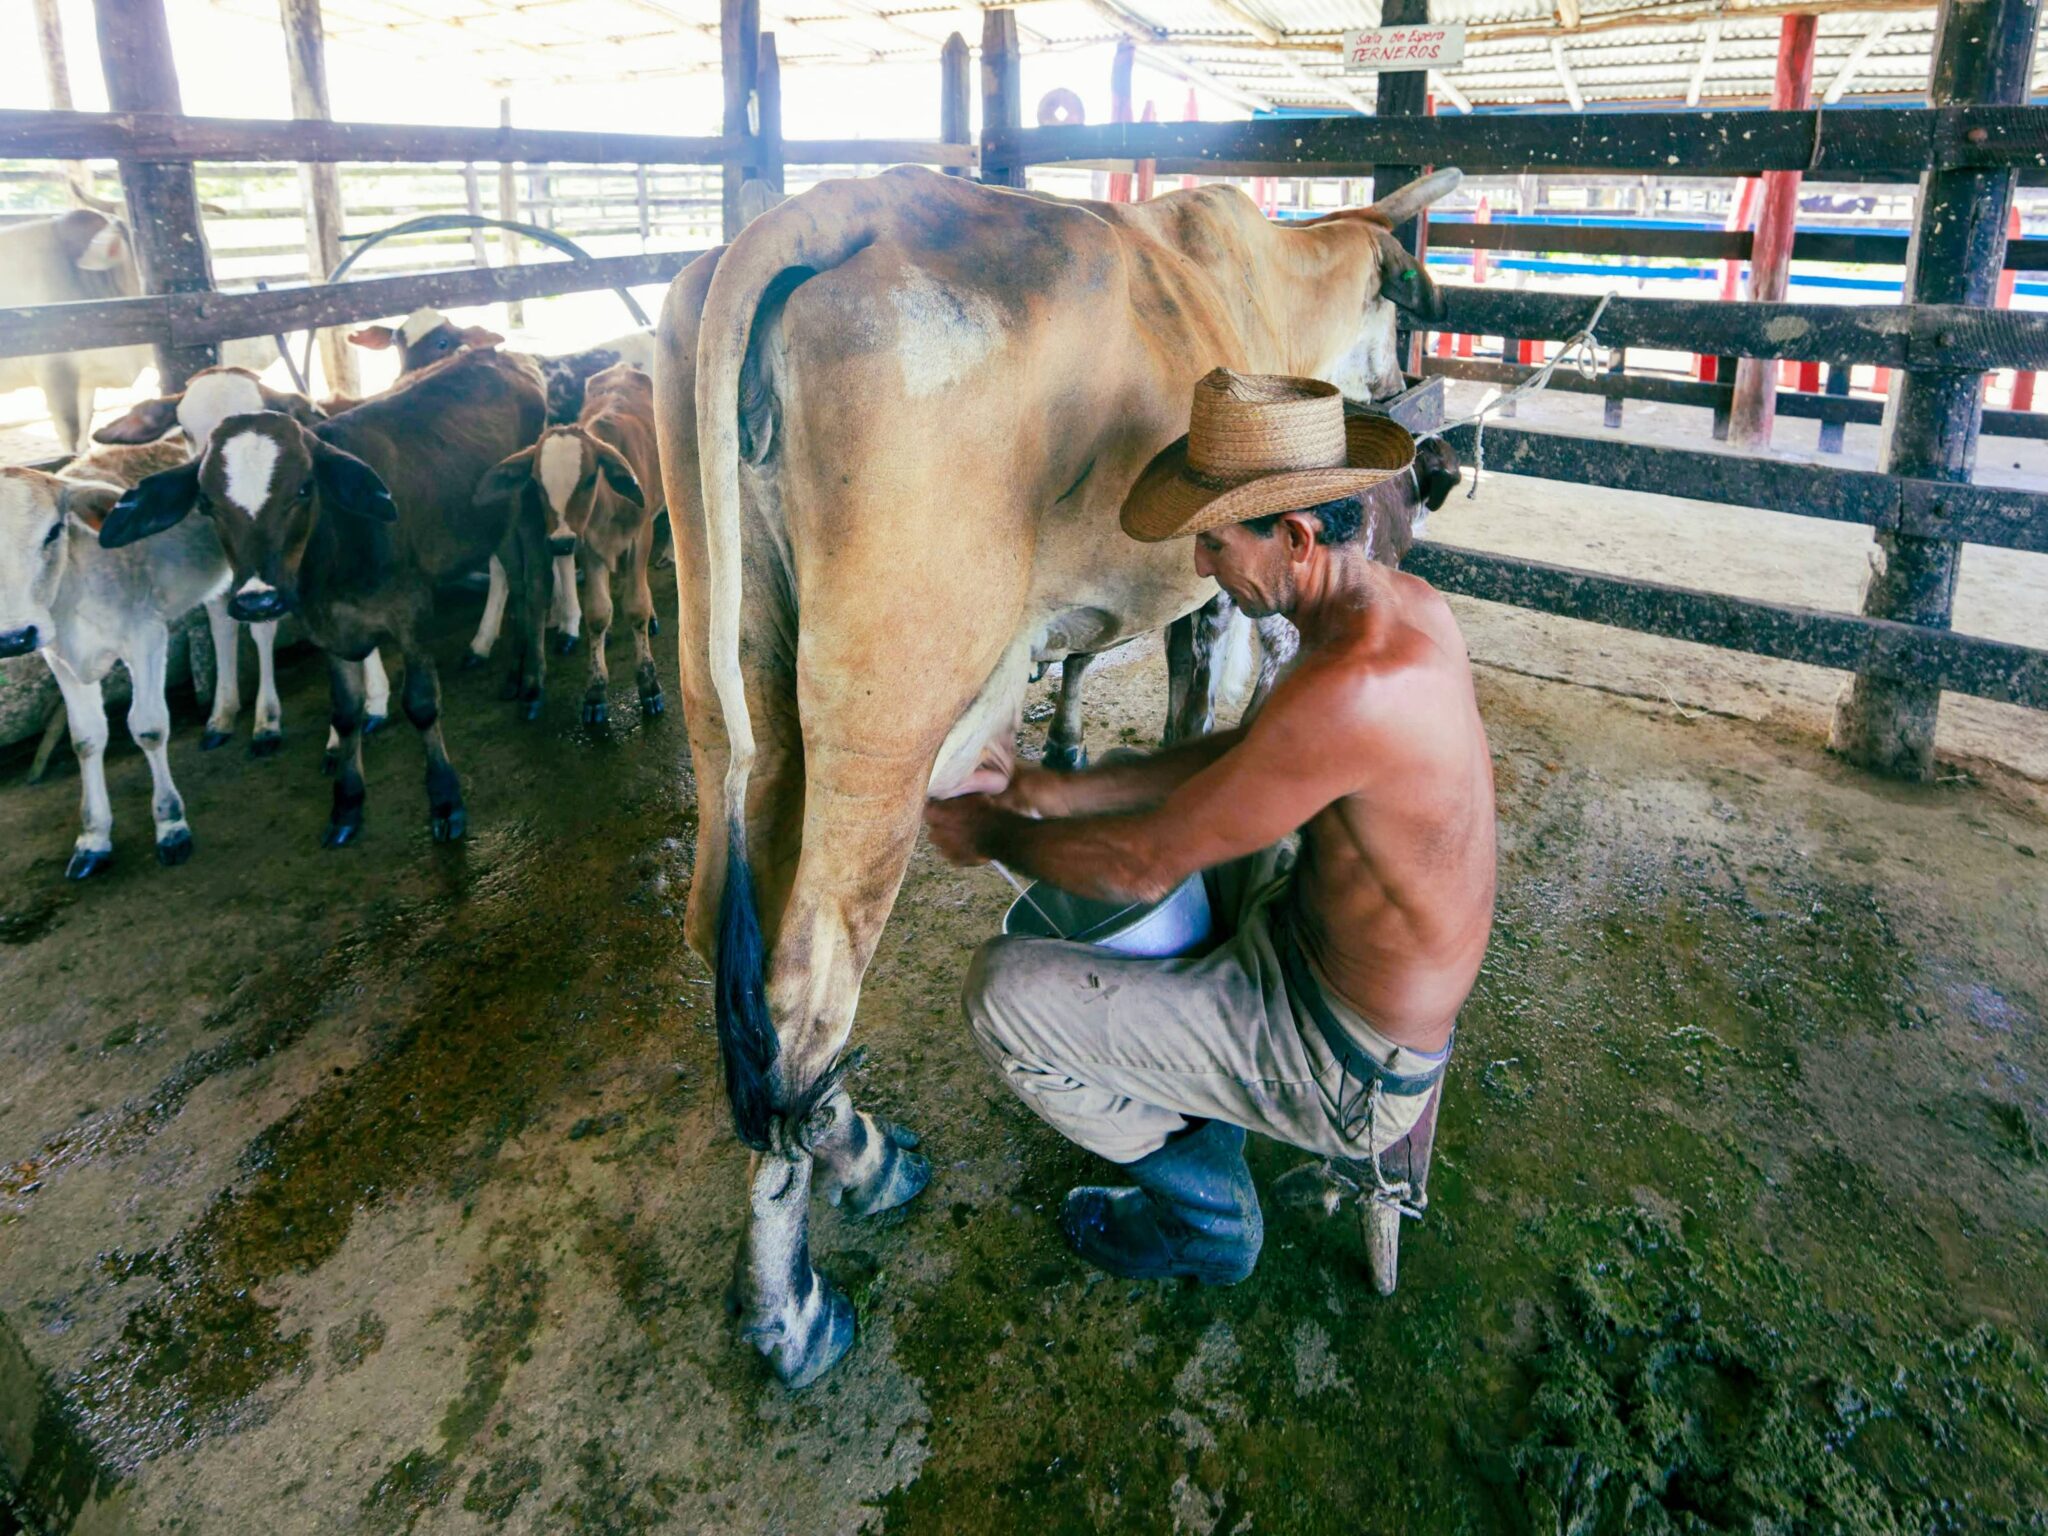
x=1865, y=45
x=1710, y=39
x=1444, y=87
x=1572, y=93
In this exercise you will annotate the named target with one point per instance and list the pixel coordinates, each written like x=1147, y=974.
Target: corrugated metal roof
x=1277, y=52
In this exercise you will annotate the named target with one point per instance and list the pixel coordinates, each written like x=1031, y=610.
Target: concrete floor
x=392, y=1189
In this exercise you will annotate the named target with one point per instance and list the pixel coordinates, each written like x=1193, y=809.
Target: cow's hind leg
x=596, y=705
x=1193, y=642
x=149, y=722
x=445, y=810
x=525, y=557
x=345, y=750
x=865, y=1164
x=801, y=1322
x=1065, y=748
x=227, y=675
x=493, y=620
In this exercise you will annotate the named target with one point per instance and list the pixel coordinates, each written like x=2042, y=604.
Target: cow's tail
x=815, y=232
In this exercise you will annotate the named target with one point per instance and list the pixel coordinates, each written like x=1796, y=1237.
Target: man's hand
x=960, y=826
x=1035, y=791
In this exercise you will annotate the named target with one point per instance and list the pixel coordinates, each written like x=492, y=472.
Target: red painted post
x=1755, y=407
x=1148, y=170
x=2006, y=280
x=1483, y=214
x=1191, y=113
x=1120, y=110
x=1739, y=214
x=1809, y=378
x=1465, y=345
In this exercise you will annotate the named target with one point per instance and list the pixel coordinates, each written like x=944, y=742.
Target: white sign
x=1396, y=48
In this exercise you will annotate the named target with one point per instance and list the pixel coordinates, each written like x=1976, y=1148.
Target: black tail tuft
x=746, y=1032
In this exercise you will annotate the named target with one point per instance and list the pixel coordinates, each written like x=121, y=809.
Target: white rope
x=1581, y=349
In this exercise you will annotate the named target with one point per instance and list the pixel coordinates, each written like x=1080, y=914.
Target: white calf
x=85, y=608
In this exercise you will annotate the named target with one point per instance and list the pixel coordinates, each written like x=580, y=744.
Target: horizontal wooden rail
x=152, y=136
x=186, y=319
x=1974, y=514
x=1958, y=337
x=1664, y=391
x=1829, y=144
x=1846, y=246
x=1988, y=669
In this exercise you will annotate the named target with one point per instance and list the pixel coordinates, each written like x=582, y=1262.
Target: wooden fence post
x=1983, y=52
x=163, y=197
x=508, y=208
x=1755, y=405
x=739, y=37
x=1120, y=109
x=1404, y=94
x=1002, y=92
x=956, y=98
x=1832, y=427
x=768, y=97
x=57, y=74
x=305, y=48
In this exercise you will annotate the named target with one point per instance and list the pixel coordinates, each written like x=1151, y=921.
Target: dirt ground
x=392, y=1189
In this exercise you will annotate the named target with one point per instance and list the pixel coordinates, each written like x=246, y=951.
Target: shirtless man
x=1325, y=1015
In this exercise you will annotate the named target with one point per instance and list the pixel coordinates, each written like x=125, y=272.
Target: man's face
x=1259, y=573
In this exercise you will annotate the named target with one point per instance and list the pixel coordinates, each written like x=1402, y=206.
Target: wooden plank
x=1956, y=337
x=739, y=42
x=1983, y=52
x=878, y=152
x=1839, y=145
x=190, y=319
x=1002, y=94
x=305, y=48
x=1978, y=514
x=956, y=98
x=167, y=136
x=768, y=87
x=163, y=197
x=1844, y=246
x=1936, y=658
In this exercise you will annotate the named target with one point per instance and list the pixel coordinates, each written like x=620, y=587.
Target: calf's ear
x=1404, y=281
x=504, y=479
x=374, y=337
x=618, y=474
x=476, y=336
x=144, y=424
x=349, y=485
x=160, y=501
x=1436, y=472
x=89, y=503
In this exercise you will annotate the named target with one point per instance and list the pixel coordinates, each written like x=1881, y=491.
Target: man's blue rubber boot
x=1194, y=1212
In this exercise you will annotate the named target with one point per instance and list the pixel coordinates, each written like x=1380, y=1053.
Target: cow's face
x=100, y=253
x=39, y=514
x=210, y=396
x=425, y=337
x=564, y=467
x=266, y=482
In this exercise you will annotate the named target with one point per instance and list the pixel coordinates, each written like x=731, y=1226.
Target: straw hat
x=1260, y=443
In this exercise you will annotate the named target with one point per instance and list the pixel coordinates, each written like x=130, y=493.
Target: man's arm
x=1307, y=749
x=1128, y=785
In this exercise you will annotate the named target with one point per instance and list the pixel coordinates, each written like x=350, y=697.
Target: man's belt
x=1354, y=1058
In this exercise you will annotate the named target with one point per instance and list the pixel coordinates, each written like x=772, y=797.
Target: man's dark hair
x=1340, y=520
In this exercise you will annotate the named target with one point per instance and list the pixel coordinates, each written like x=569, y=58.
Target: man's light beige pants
x=1118, y=1053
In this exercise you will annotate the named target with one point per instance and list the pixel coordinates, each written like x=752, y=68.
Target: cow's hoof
x=87, y=862
x=529, y=709
x=174, y=849
x=449, y=824
x=213, y=740
x=565, y=645
x=596, y=711
x=899, y=1179
x=373, y=723
x=1061, y=758
x=653, y=704
x=267, y=744
x=471, y=660
x=654, y=624
x=340, y=834
x=801, y=1362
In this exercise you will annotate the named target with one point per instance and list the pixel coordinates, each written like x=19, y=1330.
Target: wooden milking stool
x=1397, y=1190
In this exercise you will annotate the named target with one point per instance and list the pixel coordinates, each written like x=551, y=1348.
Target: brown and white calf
x=211, y=396
x=593, y=482
x=350, y=523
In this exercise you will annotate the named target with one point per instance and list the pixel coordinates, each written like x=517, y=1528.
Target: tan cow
x=597, y=482
x=898, y=418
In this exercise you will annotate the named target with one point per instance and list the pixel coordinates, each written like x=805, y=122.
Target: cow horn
x=1403, y=203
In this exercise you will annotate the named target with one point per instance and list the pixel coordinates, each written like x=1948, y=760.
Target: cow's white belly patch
x=943, y=335
x=250, y=459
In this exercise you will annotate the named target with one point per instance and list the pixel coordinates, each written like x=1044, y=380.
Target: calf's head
x=210, y=396
x=564, y=468
x=424, y=336
x=38, y=514
x=266, y=482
